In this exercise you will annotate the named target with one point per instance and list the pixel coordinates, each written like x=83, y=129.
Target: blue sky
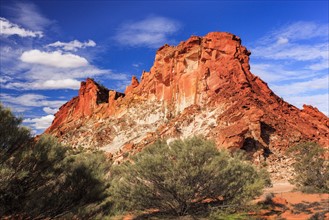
x=48, y=47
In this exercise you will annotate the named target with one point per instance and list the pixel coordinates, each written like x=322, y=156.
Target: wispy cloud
x=28, y=15
x=151, y=32
x=321, y=101
x=72, y=45
x=322, y=65
x=300, y=41
x=137, y=65
x=55, y=59
x=31, y=100
x=301, y=30
x=7, y=29
x=121, y=85
x=294, y=60
x=274, y=72
x=293, y=51
x=318, y=84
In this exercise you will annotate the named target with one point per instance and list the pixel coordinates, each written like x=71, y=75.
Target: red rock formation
x=90, y=96
x=202, y=86
x=313, y=114
x=134, y=84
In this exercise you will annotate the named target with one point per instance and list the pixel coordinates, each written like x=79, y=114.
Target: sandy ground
x=295, y=205
x=280, y=187
x=288, y=204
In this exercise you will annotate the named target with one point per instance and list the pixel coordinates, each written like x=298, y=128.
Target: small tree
x=311, y=167
x=179, y=176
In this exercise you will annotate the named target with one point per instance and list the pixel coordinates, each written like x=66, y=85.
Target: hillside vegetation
x=181, y=176
x=311, y=167
x=40, y=178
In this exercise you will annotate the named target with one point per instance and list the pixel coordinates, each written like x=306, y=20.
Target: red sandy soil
x=287, y=204
x=295, y=205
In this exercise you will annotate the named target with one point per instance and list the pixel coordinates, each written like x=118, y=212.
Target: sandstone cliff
x=202, y=86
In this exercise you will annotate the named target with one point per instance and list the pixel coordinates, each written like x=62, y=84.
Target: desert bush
x=180, y=176
x=45, y=179
x=222, y=215
x=12, y=135
x=311, y=167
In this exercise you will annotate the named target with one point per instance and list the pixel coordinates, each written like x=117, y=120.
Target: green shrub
x=180, y=176
x=12, y=135
x=311, y=167
x=40, y=179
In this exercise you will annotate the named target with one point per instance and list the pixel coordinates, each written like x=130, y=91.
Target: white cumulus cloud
x=49, y=110
x=40, y=123
x=44, y=85
x=55, y=59
x=151, y=32
x=72, y=45
x=7, y=29
x=56, y=84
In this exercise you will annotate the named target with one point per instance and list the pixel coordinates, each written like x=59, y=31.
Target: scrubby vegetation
x=182, y=176
x=12, y=135
x=42, y=178
x=311, y=167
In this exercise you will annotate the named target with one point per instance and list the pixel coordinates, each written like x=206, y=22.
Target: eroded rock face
x=202, y=86
x=91, y=98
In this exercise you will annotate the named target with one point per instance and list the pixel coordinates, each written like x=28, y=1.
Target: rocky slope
x=203, y=86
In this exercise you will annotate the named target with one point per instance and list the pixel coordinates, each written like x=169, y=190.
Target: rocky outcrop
x=90, y=99
x=134, y=84
x=201, y=86
x=314, y=115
